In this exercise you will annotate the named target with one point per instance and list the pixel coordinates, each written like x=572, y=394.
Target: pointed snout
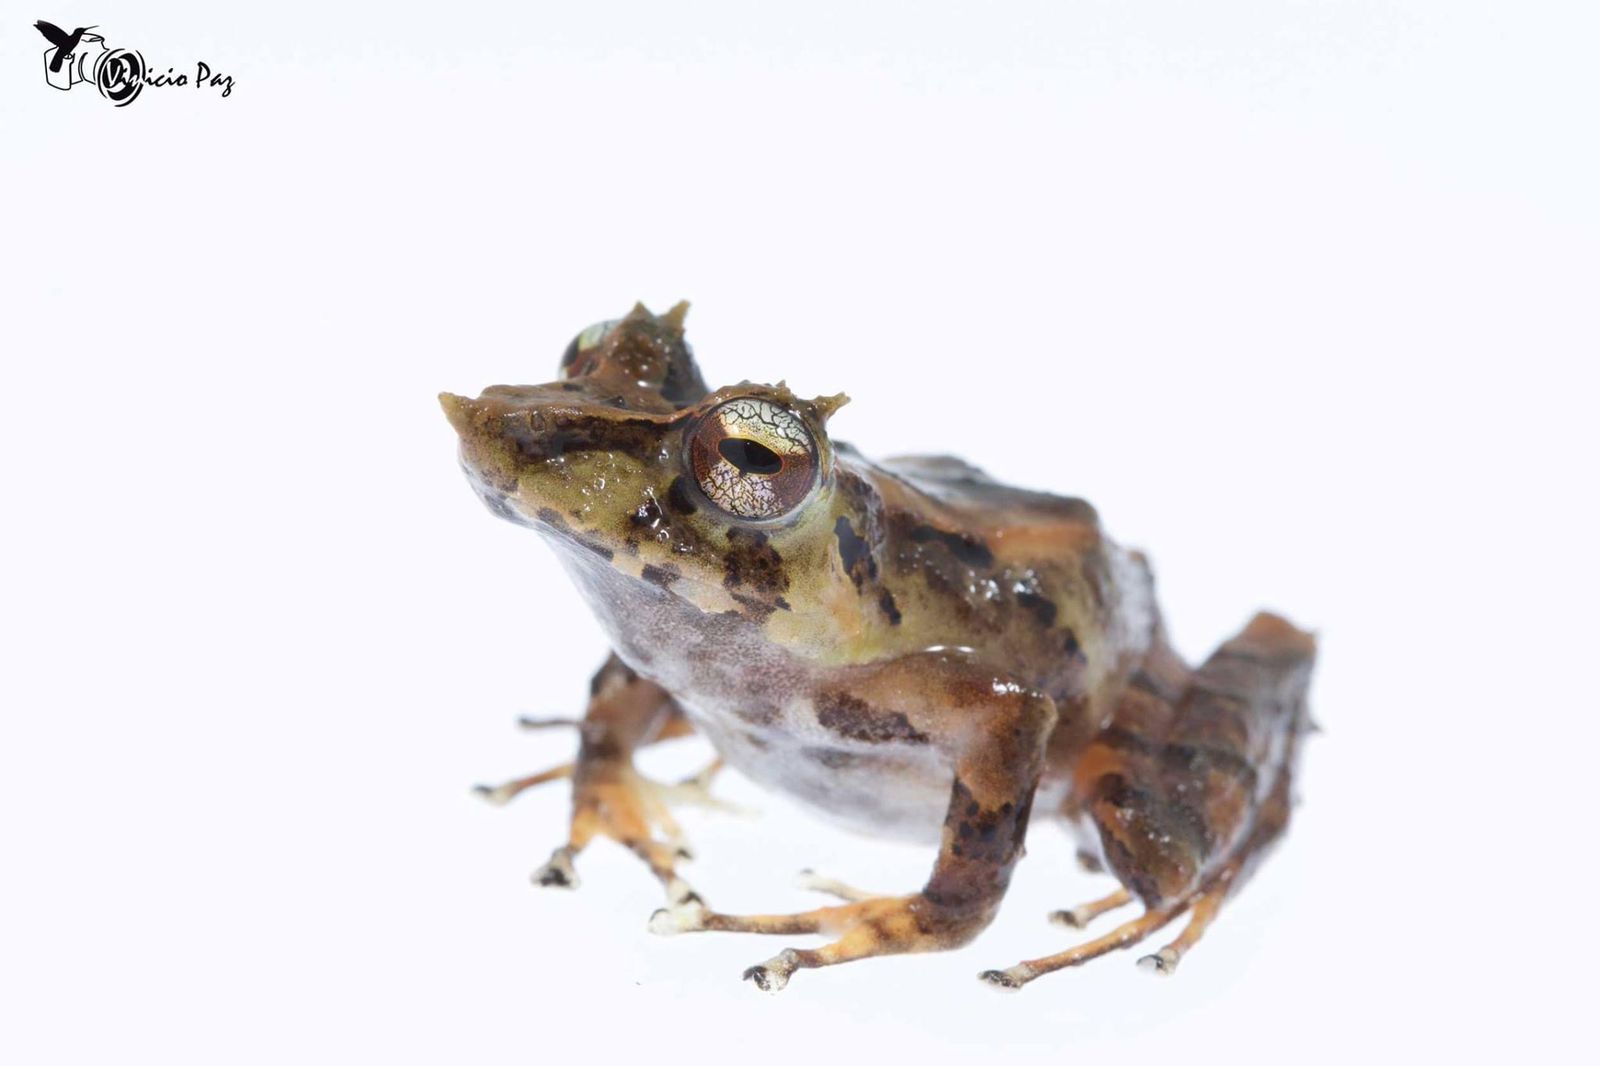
x=484, y=416
x=459, y=410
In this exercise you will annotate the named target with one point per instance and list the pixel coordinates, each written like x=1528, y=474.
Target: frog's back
x=1025, y=578
x=967, y=490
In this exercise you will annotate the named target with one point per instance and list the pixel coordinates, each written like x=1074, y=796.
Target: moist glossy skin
x=908, y=646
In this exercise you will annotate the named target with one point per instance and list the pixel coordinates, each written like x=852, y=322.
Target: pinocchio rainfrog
x=908, y=645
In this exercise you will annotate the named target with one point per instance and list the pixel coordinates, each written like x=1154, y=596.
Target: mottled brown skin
x=907, y=645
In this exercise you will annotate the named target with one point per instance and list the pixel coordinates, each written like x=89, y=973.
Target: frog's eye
x=582, y=345
x=753, y=458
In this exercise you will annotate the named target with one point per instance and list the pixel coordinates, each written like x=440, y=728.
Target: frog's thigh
x=993, y=735
x=1187, y=803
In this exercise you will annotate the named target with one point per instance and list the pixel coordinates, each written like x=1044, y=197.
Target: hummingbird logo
x=66, y=43
x=118, y=73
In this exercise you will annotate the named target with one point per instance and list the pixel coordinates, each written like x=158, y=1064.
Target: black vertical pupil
x=751, y=457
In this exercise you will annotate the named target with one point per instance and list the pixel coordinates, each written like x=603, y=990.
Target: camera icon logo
x=81, y=56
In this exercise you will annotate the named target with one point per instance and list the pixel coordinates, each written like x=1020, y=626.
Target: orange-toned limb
x=994, y=735
x=506, y=791
x=1124, y=935
x=1189, y=788
x=609, y=797
x=694, y=790
x=1204, y=910
x=1080, y=916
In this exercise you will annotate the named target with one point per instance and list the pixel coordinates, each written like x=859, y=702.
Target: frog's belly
x=747, y=696
x=894, y=790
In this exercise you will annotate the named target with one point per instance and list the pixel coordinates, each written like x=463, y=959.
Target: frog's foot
x=1202, y=908
x=1165, y=961
x=613, y=800
x=619, y=803
x=876, y=925
x=1124, y=935
x=1080, y=916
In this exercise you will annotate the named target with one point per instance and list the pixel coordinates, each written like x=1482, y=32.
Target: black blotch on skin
x=964, y=546
x=599, y=549
x=782, y=604
x=499, y=505
x=752, y=561
x=552, y=518
x=855, y=719
x=891, y=610
x=990, y=835
x=647, y=515
x=1042, y=607
x=1070, y=645
x=757, y=610
x=661, y=576
x=855, y=553
x=678, y=497
x=549, y=435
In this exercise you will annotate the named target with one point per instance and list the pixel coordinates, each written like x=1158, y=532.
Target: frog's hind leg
x=1080, y=916
x=1189, y=787
x=1201, y=913
x=1271, y=820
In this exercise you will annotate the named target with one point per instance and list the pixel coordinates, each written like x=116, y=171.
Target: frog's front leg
x=609, y=797
x=993, y=734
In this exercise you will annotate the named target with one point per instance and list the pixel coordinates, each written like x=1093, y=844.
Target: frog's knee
x=1155, y=847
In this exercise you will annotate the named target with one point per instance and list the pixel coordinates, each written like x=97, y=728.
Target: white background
x=1302, y=296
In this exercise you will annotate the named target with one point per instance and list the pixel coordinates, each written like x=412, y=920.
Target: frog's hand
x=609, y=797
x=993, y=734
x=1189, y=787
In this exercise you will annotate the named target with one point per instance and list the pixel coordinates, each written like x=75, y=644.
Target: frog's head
x=630, y=467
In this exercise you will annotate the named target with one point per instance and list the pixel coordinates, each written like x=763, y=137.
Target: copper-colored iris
x=753, y=458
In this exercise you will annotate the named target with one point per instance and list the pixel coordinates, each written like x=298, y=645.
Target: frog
x=909, y=647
